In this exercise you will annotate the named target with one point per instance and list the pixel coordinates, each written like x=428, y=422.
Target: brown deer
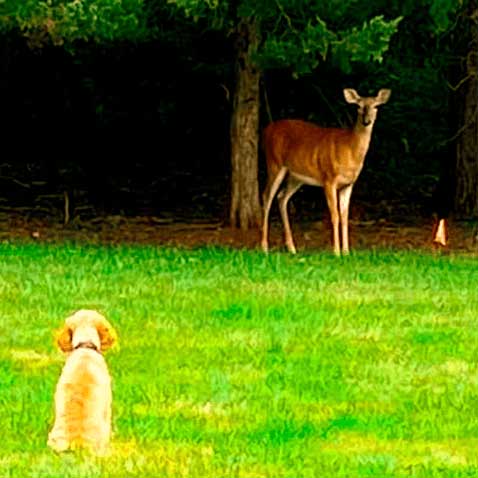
x=327, y=157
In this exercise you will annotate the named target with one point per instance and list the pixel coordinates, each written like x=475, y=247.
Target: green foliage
x=64, y=22
x=366, y=44
x=233, y=363
x=441, y=11
x=301, y=50
x=297, y=34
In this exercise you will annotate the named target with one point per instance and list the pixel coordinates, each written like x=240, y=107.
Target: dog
x=83, y=393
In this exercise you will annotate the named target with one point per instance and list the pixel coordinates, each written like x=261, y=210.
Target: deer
x=313, y=155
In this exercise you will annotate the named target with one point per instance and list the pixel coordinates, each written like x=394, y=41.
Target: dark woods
x=133, y=129
x=143, y=129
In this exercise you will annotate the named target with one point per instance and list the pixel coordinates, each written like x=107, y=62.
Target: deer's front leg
x=344, y=203
x=331, y=195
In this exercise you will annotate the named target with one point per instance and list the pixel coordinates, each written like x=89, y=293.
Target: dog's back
x=83, y=403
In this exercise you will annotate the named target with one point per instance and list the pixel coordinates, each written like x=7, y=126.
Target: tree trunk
x=245, y=207
x=466, y=197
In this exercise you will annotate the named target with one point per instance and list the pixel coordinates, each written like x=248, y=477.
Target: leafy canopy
x=64, y=22
x=298, y=34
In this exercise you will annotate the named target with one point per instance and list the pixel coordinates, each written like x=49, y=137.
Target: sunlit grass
x=233, y=363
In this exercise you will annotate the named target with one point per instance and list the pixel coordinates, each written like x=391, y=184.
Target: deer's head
x=367, y=106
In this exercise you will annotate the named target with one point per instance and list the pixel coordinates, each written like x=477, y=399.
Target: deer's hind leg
x=291, y=188
x=273, y=183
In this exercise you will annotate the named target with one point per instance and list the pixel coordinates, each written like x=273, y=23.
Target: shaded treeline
x=140, y=129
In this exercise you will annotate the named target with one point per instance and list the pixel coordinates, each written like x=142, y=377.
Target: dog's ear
x=64, y=339
x=108, y=336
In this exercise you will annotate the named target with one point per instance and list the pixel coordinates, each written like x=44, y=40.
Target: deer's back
x=309, y=150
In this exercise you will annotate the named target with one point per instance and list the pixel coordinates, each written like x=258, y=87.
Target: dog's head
x=86, y=326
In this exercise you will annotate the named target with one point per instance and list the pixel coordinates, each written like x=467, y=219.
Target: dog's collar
x=87, y=345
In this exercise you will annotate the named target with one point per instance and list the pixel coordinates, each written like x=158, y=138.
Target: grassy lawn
x=236, y=364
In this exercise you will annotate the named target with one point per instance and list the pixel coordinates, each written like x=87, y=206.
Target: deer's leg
x=291, y=188
x=331, y=195
x=269, y=193
x=344, y=203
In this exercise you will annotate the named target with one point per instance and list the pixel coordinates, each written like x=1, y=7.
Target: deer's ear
x=383, y=96
x=351, y=96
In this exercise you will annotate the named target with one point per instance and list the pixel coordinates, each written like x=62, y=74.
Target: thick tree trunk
x=466, y=197
x=245, y=207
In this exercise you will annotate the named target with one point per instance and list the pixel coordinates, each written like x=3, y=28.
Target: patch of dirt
x=309, y=236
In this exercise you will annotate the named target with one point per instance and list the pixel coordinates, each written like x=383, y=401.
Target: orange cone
x=440, y=233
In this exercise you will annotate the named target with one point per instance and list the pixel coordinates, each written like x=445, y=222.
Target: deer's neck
x=362, y=134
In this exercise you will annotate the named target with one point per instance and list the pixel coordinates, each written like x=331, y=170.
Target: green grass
x=236, y=364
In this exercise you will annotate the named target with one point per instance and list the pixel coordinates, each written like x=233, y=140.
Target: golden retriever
x=83, y=393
